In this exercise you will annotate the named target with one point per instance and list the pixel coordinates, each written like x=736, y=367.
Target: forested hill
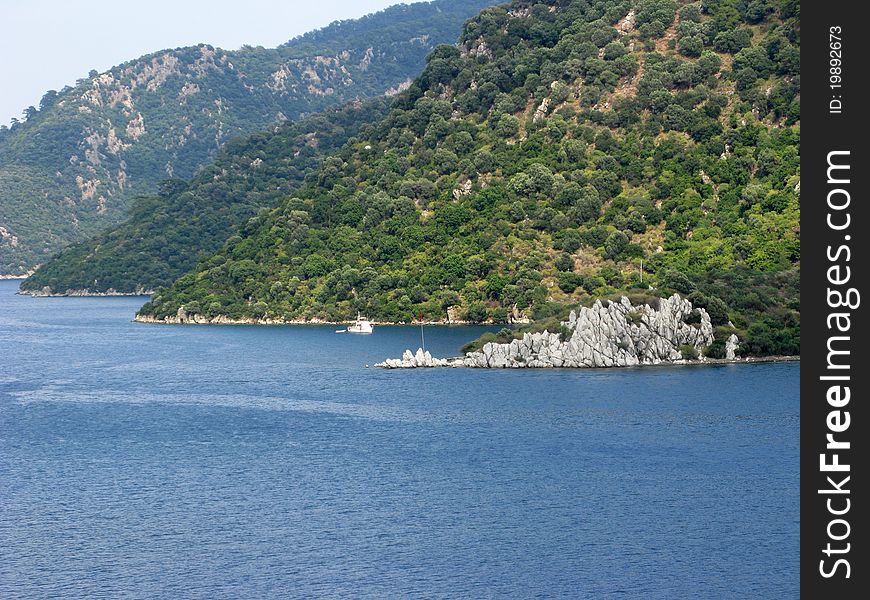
x=71, y=167
x=536, y=165
x=166, y=234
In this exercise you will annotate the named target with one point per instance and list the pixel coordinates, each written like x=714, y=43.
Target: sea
x=163, y=461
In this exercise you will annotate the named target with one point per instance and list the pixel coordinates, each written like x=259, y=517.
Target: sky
x=47, y=44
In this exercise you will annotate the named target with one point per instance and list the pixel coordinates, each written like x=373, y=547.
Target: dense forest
x=166, y=234
x=537, y=164
x=72, y=166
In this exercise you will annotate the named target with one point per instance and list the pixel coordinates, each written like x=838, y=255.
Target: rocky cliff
x=607, y=334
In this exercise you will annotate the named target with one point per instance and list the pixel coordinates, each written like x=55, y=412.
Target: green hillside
x=73, y=165
x=536, y=164
x=168, y=233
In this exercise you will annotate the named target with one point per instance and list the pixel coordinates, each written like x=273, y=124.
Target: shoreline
x=83, y=294
x=740, y=361
x=223, y=320
x=459, y=362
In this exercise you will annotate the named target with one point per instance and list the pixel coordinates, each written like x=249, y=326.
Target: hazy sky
x=47, y=44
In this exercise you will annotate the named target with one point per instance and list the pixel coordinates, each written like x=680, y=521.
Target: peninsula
x=607, y=334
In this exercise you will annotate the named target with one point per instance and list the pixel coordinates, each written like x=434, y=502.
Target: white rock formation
x=419, y=359
x=731, y=347
x=615, y=335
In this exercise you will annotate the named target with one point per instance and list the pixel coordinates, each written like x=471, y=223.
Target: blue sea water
x=269, y=462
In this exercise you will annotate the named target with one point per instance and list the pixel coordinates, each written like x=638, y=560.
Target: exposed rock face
x=114, y=135
x=616, y=335
x=453, y=314
x=731, y=347
x=518, y=316
x=626, y=24
x=541, y=111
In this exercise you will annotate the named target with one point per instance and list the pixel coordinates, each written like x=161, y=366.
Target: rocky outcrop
x=732, y=345
x=612, y=334
x=420, y=359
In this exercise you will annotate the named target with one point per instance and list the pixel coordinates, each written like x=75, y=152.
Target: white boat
x=361, y=325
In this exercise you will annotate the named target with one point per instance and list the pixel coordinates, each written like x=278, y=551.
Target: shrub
x=678, y=282
x=716, y=349
x=615, y=244
x=689, y=352
x=565, y=262
x=476, y=313
x=569, y=282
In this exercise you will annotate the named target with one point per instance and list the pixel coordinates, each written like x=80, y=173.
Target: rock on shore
x=613, y=334
x=420, y=359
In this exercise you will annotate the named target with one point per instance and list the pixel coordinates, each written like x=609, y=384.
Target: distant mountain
x=565, y=150
x=73, y=166
x=166, y=234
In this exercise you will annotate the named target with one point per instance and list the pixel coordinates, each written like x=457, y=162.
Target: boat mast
x=422, y=339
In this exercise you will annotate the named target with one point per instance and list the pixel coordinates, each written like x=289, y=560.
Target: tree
x=507, y=126
x=569, y=282
x=495, y=285
x=746, y=78
x=540, y=179
x=453, y=267
x=48, y=99
x=476, y=313
x=565, y=262
x=615, y=244
x=614, y=50
x=691, y=45
x=678, y=282
x=733, y=40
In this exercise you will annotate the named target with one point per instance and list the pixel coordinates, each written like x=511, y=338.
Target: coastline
x=452, y=362
x=739, y=361
x=425, y=361
x=81, y=293
x=224, y=320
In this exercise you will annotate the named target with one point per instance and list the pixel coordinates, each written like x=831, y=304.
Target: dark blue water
x=208, y=462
